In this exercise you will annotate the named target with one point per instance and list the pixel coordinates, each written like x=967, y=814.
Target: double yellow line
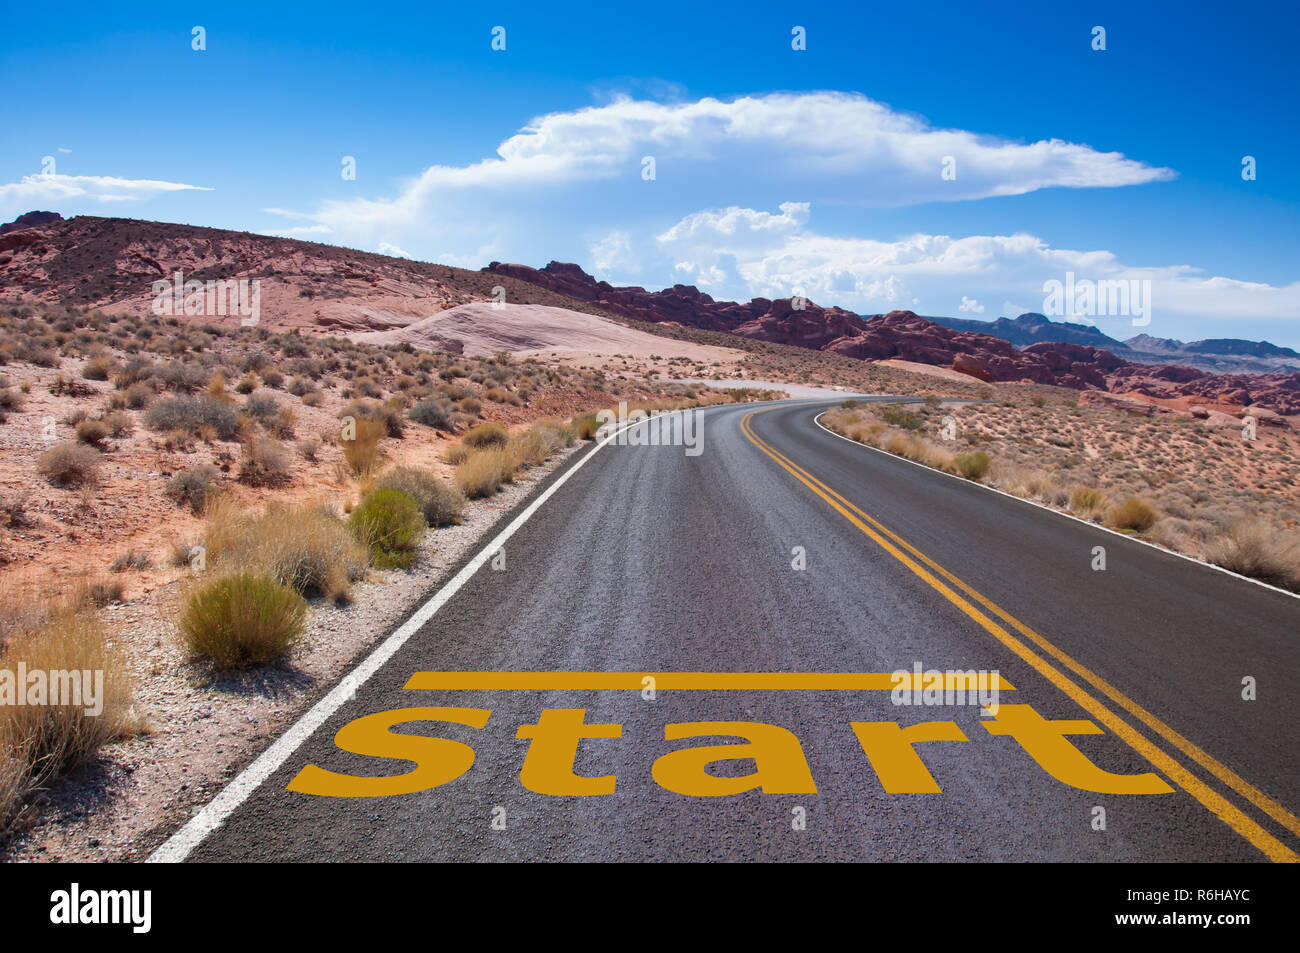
x=957, y=592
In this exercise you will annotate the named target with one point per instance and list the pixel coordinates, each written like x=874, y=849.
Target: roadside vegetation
x=1166, y=478
x=40, y=743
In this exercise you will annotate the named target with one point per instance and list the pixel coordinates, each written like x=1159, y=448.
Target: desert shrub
x=306, y=547
x=97, y=369
x=972, y=466
x=69, y=463
x=586, y=426
x=486, y=435
x=456, y=454
x=1254, y=549
x=265, y=462
x=245, y=618
x=1134, y=514
x=362, y=451
x=431, y=413
x=118, y=423
x=38, y=743
x=136, y=559
x=535, y=445
x=189, y=414
x=137, y=396
x=247, y=384
x=441, y=504
x=896, y=415
x=1087, y=502
x=194, y=487
x=483, y=472
x=262, y=407
x=102, y=592
x=497, y=395
x=471, y=405
x=92, y=432
x=313, y=399
x=390, y=524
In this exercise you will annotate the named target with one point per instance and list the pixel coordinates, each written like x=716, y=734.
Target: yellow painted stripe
x=1226, y=811
x=675, y=681
x=1207, y=761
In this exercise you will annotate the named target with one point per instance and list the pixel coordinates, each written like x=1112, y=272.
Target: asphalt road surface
x=782, y=548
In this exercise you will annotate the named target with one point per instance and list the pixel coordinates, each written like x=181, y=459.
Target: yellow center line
x=895, y=546
x=684, y=681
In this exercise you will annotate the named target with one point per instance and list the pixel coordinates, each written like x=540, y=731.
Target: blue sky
x=777, y=171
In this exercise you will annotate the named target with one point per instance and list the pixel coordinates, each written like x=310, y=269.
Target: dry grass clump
x=1133, y=515
x=244, y=618
x=586, y=426
x=306, y=547
x=972, y=466
x=1087, y=503
x=38, y=743
x=456, y=454
x=486, y=435
x=442, y=505
x=1254, y=549
x=361, y=445
x=483, y=472
x=70, y=464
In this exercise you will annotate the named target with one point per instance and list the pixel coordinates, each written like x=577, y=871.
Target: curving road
x=782, y=548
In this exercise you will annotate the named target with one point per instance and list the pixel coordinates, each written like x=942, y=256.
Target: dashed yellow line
x=903, y=551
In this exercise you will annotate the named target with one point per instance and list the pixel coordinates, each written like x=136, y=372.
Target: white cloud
x=737, y=253
x=298, y=231
x=33, y=190
x=610, y=255
x=835, y=144
x=386, y=249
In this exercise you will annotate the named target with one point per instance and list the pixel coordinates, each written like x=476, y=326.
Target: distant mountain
x=1221, y=355
x=1033, y=328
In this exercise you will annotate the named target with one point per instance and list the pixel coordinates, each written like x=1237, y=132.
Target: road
x=782, y=548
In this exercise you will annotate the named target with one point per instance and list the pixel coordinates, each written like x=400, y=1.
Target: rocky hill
x=112, y=263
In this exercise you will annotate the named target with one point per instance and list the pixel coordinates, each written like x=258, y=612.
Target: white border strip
x=1070, y=516
x=177, y=847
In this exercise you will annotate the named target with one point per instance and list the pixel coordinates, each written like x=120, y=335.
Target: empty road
x=535, y=715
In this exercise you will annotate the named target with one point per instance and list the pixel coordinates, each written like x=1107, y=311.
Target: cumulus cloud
x=970, y=304
x=828, y=143
x=52, y=188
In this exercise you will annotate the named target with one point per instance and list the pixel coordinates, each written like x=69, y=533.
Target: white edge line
x=1070, y=516
x=177, y=847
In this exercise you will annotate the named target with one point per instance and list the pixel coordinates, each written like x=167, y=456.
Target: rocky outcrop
x=30, y=220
